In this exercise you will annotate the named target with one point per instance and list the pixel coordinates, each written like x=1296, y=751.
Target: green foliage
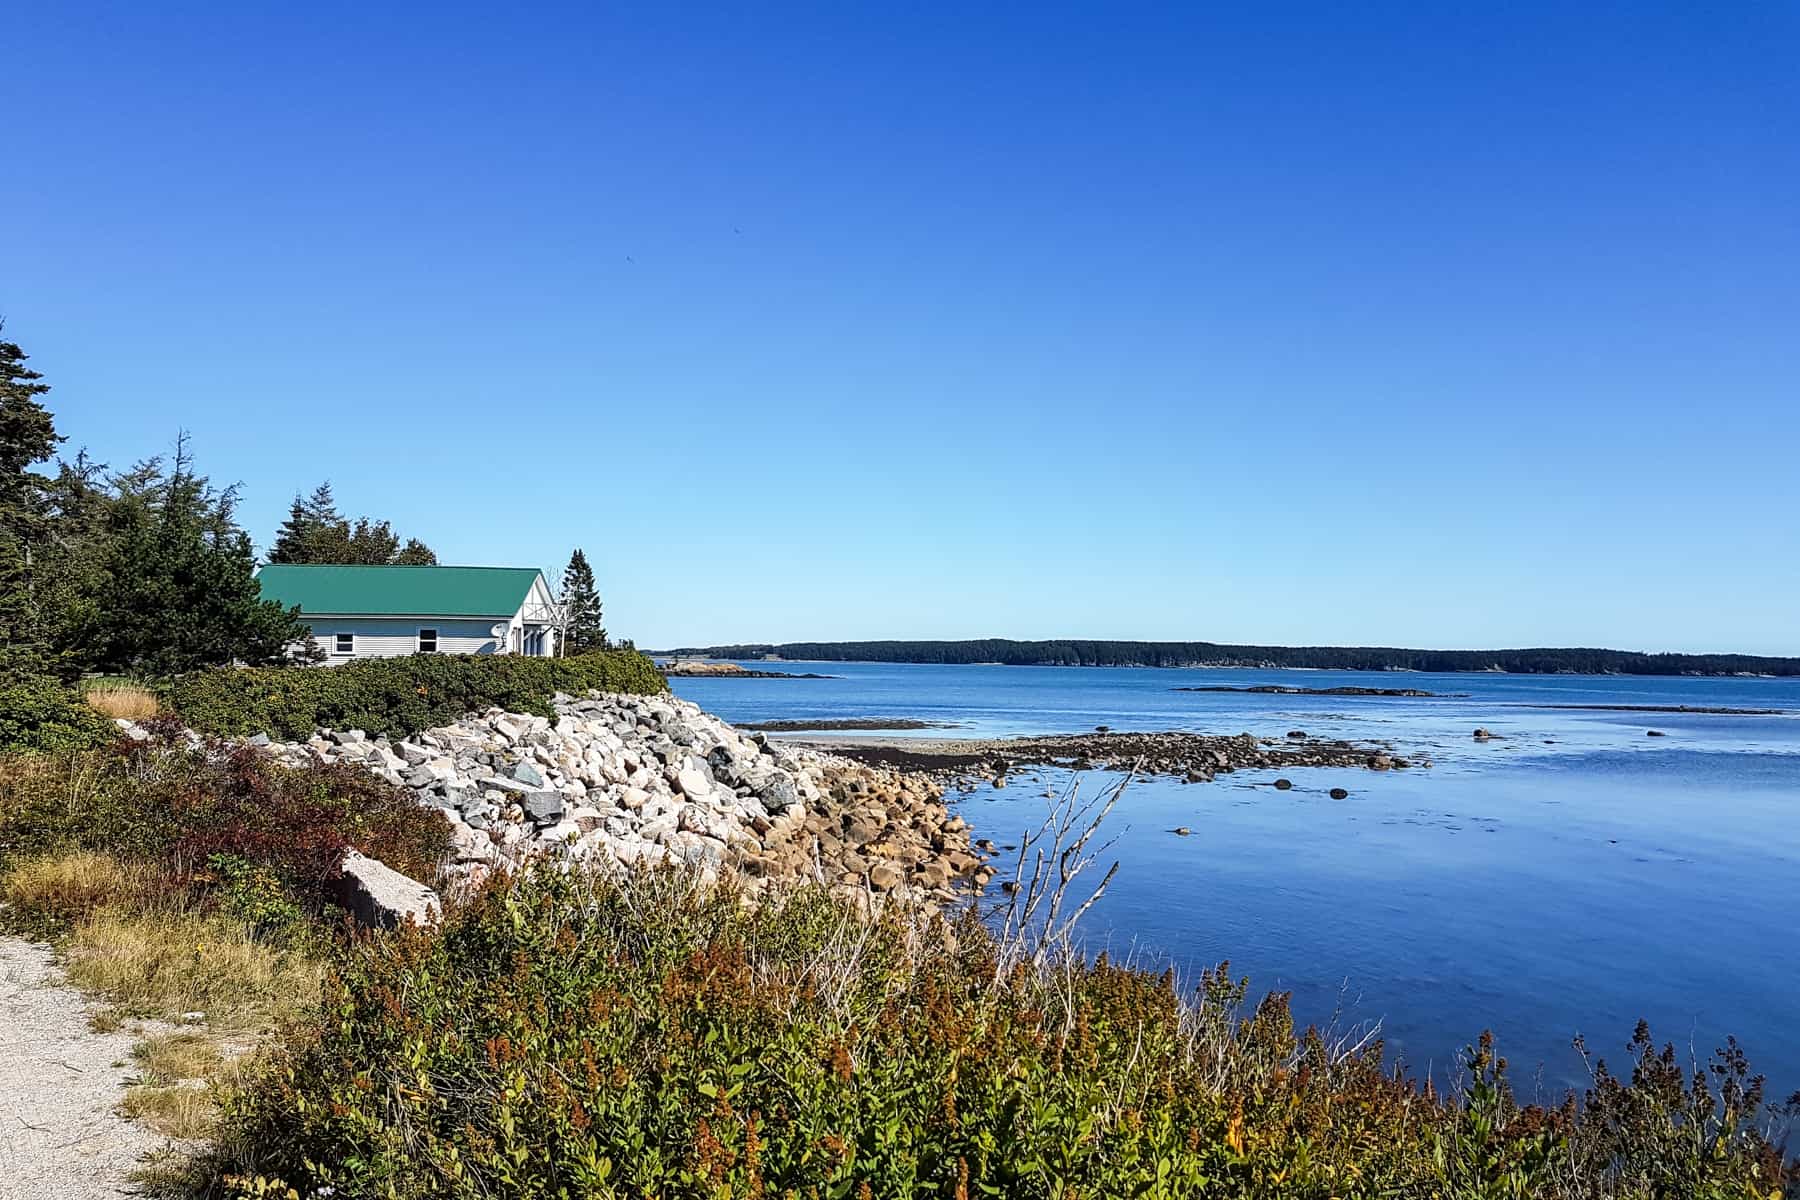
x=27, y=436
x=143, y=571
x=183, y=809
x=42, y=714
x=254, y=894
x=583, y=625
x=315, y=533
x=1074, y=653
x=397, y=696
x=567, y=1036
x=172, y=583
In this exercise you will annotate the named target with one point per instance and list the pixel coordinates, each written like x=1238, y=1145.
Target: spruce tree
x=172, y=584
x=311, y=522
x=27, y=437
x=415, y=554
x=315, y=532
x=582, y=628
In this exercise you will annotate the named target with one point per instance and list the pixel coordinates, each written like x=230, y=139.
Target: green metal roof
x=399, y=591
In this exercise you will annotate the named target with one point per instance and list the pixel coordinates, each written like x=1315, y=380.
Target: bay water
x=1570, y=876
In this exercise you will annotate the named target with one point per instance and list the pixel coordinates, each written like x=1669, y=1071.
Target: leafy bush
x=39, y=713
x=397, y=696
x=253, y=894
x=565, y=1036
x=178, y=808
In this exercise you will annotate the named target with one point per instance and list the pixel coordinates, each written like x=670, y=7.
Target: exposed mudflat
x=1195, y=756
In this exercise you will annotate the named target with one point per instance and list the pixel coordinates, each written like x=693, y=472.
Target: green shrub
x=40, y=713
x=569, y=1036
x=396, y=696
x=181, y=809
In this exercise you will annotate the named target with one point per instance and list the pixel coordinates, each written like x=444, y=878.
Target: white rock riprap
x=649, y=779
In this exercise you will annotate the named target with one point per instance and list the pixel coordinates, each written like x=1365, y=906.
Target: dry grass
x=177, y=1056
x=177, y=1093
x=73, y=884
x=166, y=965
x=121, y=699
x=182, y=1110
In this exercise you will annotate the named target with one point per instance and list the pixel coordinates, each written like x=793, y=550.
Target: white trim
x=337, y=644
x=423, y=630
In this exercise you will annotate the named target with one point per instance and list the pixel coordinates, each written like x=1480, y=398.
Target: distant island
x=708, y=670
x=1004, y=652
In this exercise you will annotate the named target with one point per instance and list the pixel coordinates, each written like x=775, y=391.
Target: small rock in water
x=1181, y=830
x=1282, y=785
x=1654, y=733
x=1297, y=734
x=1339, y=793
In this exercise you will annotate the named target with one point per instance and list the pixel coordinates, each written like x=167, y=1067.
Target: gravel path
x=61, y=1136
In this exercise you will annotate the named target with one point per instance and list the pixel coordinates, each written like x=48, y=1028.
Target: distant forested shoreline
x=1066, y=653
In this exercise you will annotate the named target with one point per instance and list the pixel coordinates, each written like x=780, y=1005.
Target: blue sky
x=1444, y=325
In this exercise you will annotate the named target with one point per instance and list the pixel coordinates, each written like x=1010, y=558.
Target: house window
x=344, y=643
x=427, y=641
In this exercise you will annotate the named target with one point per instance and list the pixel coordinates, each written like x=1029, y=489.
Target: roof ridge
x=410, y=566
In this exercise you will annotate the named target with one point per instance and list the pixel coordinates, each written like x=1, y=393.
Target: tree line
x=1097, y=653
x=147, y=571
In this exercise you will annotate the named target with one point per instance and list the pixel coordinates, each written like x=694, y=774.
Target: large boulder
x=381, y=896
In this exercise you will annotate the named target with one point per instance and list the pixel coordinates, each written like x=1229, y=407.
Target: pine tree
x=582, y=628
x=311, y=523
x=415, y=554
x=315, y=532
x=172, y=585
x=27, y=437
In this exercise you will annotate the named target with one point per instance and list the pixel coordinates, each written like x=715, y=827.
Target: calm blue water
x=1573, y=877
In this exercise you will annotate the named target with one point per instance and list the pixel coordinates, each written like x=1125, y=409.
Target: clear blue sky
x=1444, y=325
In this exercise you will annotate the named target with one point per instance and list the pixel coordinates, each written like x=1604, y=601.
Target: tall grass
x=167, y=964
x=70, y=886
x=121, y=698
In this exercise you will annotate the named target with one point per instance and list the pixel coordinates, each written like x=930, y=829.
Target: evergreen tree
x=27, y=437
x=310, y=522
x=415, y=554
x=371, y=543
x=582, y=628
x=172, y=584
x=316, y=533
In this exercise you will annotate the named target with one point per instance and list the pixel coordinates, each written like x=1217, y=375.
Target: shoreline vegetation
x=1102, y=653
x=578, y=1027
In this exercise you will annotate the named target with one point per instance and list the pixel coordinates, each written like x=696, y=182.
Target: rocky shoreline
x=626, y=779
x=694, y=670
x=1271, y=689
x=1195, y=757
x=863, y=724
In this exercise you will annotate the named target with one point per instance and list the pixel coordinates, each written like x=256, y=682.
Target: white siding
x=388, y=637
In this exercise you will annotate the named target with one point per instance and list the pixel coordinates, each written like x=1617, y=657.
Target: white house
x=380, y=612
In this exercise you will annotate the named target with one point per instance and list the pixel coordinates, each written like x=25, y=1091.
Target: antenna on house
x=498, y=631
